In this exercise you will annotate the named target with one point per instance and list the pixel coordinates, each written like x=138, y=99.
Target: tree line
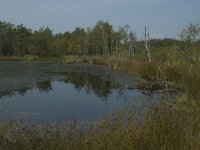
x=100, y=39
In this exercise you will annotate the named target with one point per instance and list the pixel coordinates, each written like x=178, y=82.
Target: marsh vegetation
x=158, y=65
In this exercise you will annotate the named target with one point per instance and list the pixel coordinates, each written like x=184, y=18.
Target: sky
x=163, y=18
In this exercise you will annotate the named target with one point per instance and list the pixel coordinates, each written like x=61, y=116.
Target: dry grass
x=182, y=74
x=10, y=58
x=163, y=128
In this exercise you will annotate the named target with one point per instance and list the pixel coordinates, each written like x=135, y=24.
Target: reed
x=164, y=127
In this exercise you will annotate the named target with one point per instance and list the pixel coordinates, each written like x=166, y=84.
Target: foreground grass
x=165, y=127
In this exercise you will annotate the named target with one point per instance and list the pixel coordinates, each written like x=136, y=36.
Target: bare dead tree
x=117, y=48
x=146, y=40
x=131, y=52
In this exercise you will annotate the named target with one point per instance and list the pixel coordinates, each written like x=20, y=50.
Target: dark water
x=41, y=92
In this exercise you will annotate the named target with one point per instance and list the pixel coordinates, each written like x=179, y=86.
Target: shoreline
x=166, y=125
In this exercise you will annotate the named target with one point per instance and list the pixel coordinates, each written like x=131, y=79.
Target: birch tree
x=146, y=40
x=132, y=42
x=189, y=38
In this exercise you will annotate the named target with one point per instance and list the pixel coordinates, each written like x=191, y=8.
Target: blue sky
x=163, y=18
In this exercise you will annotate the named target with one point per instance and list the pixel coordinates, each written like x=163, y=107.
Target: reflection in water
x=23, y=91
x=91, y=83
x=86, y=91
x=88, y=97
x=102, y=87
x=44, y=87
x=11, y=93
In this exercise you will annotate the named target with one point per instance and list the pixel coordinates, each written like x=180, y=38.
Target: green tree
x=190, y=34
x=100, y=38
x=189, y=38
x=7, y=34
x=77, y=41
x=22, y=40
x=60, y=45
x=42, y=41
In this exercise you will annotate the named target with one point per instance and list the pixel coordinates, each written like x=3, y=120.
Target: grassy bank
x=64, y=59
x=181, y=74
x=163, y=128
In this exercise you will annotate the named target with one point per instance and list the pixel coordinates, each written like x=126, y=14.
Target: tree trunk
x=146, y=38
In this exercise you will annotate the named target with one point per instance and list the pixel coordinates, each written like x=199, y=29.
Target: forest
x=101, y=39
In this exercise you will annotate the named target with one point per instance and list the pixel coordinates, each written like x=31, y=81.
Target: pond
x=49, y=92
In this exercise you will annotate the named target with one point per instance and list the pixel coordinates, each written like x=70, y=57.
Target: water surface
x=44, y=92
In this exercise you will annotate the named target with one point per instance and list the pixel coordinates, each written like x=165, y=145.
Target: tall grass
x=163, y=128
x=181, y=74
